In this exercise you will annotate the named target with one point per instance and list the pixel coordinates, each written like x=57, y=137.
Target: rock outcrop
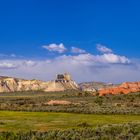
x=8, y=84
x=124, y=88
x=94, y=86
x=59, y=102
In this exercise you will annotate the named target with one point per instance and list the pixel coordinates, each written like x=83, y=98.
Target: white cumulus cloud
x=112, y=59
x=103, y=49
x=60, y=48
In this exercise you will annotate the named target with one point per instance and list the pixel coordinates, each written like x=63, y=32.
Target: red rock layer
x=124, y=88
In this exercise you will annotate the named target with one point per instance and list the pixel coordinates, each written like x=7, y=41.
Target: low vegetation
x=69, y=115
x=130, y=131
x=79, y=102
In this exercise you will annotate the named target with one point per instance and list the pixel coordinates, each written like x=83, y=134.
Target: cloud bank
x=106, y=67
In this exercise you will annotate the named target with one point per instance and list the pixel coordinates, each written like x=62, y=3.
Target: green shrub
x=83, y=124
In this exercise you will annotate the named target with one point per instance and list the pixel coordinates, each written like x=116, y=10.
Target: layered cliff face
x=12, y=84
x=124, y=88
x=8, y=84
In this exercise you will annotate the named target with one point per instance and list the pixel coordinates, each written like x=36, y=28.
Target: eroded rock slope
x=124, y=88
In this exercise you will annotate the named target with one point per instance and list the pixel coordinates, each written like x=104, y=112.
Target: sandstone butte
x=124, y=88
x=61, y=83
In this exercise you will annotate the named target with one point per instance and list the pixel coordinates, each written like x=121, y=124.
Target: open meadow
x=44, y=121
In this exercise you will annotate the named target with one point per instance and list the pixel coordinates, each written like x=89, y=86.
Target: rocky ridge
x=63, y=82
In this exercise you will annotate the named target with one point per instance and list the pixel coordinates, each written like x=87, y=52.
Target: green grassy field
x=43, y=121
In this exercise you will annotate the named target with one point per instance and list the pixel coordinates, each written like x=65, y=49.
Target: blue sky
x=28, y=28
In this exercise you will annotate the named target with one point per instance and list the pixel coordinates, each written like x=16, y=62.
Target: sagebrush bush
x=128, y=131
